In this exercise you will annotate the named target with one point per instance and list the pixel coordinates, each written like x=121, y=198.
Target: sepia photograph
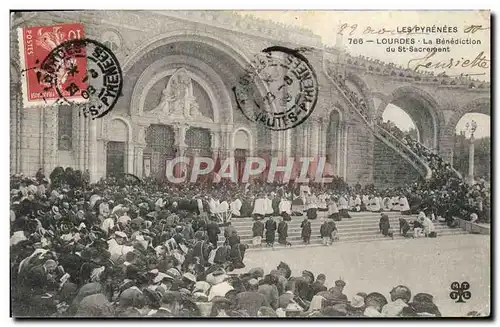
x=250, y=164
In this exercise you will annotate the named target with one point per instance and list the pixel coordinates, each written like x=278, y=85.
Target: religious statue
x=178, y=99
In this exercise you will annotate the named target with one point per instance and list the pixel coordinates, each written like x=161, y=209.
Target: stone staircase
x=362, y=227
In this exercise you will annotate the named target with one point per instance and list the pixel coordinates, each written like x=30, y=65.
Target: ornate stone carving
x=178, y=101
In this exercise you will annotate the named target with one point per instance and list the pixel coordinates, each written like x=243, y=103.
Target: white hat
x=121, y=234
x=357, y=301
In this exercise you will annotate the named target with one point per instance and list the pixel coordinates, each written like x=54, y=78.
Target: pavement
x=425, y=265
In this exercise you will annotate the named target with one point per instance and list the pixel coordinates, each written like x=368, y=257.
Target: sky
x=328, y=24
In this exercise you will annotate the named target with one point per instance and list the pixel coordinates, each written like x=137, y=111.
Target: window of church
x=65, y=128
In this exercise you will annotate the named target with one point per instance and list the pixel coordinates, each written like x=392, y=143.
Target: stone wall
x=359, y=165
x=390, y=169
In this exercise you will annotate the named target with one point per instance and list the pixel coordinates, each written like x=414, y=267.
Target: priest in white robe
x=333, y=210
x=213, y=205
x=387, y=204
x=395, y=203
x=259, y=207
x=404, y=206
x=375, y=204
x=311, y=206
x=322, y=202
x=285, y=208
x=357, y=203
x=236, y=207
x=343, y=207
x=268, y=206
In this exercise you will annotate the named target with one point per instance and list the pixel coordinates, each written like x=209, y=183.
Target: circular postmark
x=84, y=72
x=279, y=89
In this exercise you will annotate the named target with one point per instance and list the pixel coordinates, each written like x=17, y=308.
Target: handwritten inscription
x=426, y=62
x=352, y=29
x=474, y=28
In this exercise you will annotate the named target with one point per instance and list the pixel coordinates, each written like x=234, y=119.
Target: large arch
x=423, y=109
x=201, y=73
x=219, y=62
x=479, y=105
x=447, y=142
x=186, y=35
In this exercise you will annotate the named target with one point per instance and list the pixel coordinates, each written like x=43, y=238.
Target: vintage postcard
x=285, y=164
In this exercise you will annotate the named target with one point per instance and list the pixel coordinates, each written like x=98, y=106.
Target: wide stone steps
x=362, y=227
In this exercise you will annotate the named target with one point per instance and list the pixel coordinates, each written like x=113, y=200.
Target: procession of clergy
x=334, y=205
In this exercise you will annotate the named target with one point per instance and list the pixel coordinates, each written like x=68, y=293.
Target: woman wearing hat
x=356, y=306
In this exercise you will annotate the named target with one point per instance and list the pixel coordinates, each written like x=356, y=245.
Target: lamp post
x=471, y=128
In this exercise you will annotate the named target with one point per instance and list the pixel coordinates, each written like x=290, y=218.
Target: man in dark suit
x=213, y=232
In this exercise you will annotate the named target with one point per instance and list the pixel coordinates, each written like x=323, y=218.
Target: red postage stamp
x=36, y=45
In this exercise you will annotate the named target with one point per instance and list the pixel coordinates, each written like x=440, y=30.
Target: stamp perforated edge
x=26, y=103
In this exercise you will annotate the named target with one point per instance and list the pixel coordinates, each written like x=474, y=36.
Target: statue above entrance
x=178, y=101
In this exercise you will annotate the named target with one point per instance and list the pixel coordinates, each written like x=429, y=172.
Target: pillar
x=346, y=133
x=14, y=124
x=323, y=131
x=339, y=149
x=471, y=160
x=81, y=142
x=314, y=139
x=92, y=152
x=49, y=138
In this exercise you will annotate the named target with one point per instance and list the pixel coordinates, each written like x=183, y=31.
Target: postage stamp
x=289, y=85
x=35, y=46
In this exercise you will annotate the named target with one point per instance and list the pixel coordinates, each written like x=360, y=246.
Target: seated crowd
x=123, y=247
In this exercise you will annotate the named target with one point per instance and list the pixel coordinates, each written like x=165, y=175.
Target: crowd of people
x=122, y=248
x=126, y=247
x=445, y=186
x=445, y=194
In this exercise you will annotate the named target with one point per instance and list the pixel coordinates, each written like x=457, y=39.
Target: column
x=346, y=133
x=92, y=152
x=314, y=130
x=288, y=142
x=138, y=158
x=305, y=140
x=323, y=126
x=471, y=160
x=339, y=149
x=14, y=132
x=86, y=149
x=81, y=142
x=49, y=138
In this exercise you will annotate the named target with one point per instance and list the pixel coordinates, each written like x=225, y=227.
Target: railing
x=456, y=172
x=381, y=133
x=406, y=152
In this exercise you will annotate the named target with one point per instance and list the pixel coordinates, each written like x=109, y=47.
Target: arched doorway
x=482, y=145
x=160, y=147
x=116, y=148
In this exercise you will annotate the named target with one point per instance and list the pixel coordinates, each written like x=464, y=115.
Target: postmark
x=98, y=90
x=279, y=89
